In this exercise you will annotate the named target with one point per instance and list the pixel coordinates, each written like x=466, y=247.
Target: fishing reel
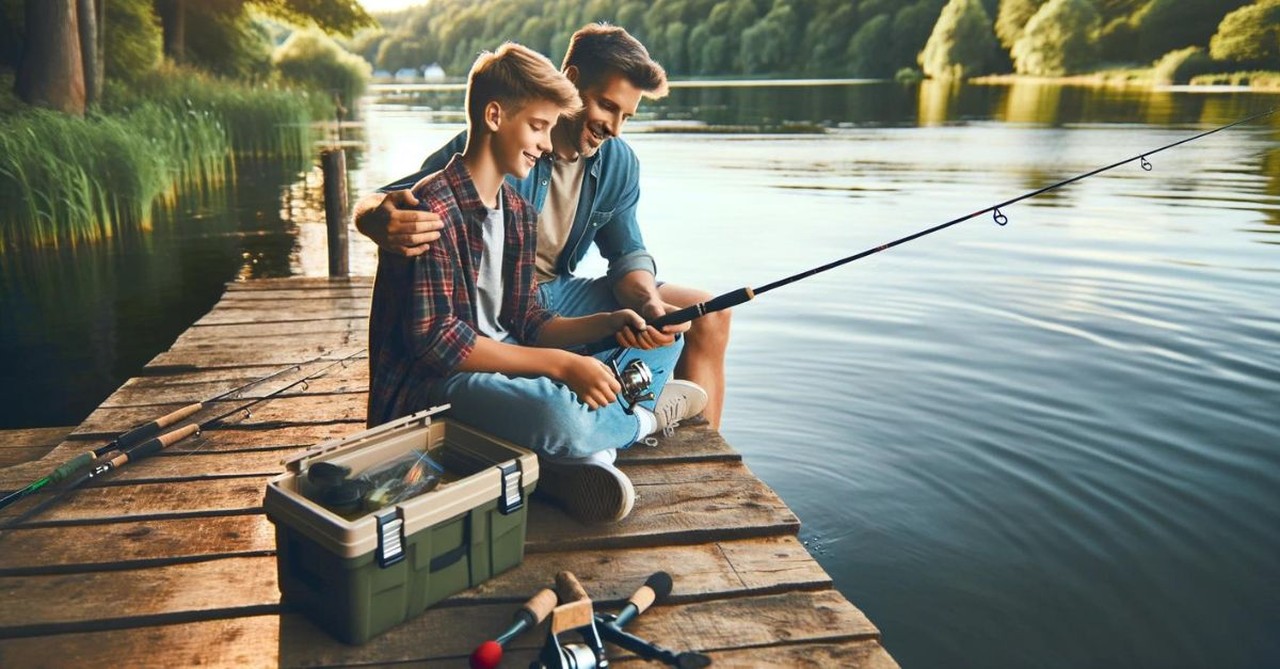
x=635, y=378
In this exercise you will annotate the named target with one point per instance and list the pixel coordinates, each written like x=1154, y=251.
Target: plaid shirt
x=423, y=320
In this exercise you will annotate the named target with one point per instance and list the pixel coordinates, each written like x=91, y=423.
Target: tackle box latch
x=512, y=497
x=390, y=537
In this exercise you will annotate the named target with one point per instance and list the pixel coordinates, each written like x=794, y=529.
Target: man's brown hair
x=599, y=48
x=513, y=76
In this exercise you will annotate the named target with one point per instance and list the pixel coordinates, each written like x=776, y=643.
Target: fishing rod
x=136, y=452
x=735, y=297
x=136, y=435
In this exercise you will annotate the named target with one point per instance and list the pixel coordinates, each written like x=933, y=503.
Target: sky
x=388, y=5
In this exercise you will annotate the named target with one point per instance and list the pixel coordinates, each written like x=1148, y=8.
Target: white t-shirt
x=489, y=288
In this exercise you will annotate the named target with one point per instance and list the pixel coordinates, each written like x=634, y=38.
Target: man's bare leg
x=702, y=360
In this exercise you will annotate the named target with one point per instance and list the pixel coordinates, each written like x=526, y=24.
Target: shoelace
x=672, y=413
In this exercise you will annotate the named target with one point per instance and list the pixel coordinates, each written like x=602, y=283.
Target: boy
x=587, y=195
x=461, y=324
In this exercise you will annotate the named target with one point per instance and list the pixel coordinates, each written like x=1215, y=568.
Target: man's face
x=606, y=105
x=524, y=135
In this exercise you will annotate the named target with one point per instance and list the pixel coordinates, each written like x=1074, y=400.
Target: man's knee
x=711, y=330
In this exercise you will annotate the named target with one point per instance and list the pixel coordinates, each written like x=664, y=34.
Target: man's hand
x=592, y=380
x=633, y=332
x=390, y=220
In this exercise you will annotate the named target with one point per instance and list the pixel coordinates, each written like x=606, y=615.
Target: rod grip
x=655, y=589
x=719, y=303
x=163, y=441
x=147, y=430
x=72, y=466
x=539, y=606
x=568, y=587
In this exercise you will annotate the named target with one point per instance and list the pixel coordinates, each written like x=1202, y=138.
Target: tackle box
x=358, y=577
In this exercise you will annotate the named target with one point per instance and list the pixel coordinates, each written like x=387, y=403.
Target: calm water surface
x=1050, y=444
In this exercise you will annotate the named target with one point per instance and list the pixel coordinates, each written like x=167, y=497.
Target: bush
x=312, y=59
x=1178, y=67
x=1249, y=35
x=131, y=39
x=1058, y=40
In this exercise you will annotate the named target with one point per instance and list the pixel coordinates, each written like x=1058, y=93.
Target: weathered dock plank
x=24, y=445
x=441, y=634
x=171, y=562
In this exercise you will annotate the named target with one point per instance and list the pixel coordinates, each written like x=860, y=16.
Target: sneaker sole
x=589, y=493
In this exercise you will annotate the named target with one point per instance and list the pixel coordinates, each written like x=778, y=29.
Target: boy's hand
x=395, y=226
x=641, y=336
x=592, y=380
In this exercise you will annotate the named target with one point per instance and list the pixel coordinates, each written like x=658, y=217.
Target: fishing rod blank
x=138, y=451
x=134, y=436
x=735, y=297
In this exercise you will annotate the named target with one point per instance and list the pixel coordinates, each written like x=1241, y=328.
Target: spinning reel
x=636, y=379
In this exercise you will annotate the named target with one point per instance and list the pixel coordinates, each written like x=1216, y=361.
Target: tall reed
x=70, y=180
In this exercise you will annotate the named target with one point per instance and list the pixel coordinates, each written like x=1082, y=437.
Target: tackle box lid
x=283, y=502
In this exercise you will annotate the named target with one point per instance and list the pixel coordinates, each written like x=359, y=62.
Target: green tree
x=1058, y=40
x=912, y=25
x=132, y=38
x=230, y=44
x=674, y=55
x=768, y=47
x=338, y=16
x=962, y=44
x=869, y=47
x=311, y=58
x=1164, y=25
x=828, y=38
x=1250, y=34
x=1012, y=18
x=52, y=73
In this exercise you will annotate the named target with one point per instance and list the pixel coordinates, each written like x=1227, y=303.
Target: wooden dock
x=170, y=562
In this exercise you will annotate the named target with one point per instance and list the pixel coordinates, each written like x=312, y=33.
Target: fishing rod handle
x=655, y=589
x=72, y=466
x=161, y=442
x=568, y=588
x=719, y=303
x=531, y=614
x=147, y=430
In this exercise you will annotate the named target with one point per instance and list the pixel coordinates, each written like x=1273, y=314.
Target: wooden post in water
x=333, y=163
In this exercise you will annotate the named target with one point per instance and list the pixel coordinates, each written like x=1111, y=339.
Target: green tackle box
x=358, y=577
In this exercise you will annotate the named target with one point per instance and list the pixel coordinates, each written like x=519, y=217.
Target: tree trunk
x=173, y=20
x=52, y=71
x=88, y=16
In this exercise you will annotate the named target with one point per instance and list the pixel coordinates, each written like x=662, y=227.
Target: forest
x=854, y=38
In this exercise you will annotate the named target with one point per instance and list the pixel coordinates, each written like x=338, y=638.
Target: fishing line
x=735, y=297
x=141, y=449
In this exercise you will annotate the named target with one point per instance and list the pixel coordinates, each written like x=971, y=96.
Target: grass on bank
x=69, y=180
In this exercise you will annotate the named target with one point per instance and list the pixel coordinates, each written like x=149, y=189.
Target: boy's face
x=523, y=136
x=606, y=105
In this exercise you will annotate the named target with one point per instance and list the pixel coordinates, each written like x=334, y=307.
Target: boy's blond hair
x=513, y=76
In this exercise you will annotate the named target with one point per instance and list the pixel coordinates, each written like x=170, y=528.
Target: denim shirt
x=606, y=211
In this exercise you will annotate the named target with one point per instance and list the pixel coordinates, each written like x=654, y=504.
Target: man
x=461, y=324
x=586, y=191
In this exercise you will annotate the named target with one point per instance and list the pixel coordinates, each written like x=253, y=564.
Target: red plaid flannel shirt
x=423, y=321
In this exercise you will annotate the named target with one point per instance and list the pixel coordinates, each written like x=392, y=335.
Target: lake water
x=1049, y=444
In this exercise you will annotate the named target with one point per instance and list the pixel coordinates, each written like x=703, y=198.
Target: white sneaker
x=680, y=400
x=590, y=489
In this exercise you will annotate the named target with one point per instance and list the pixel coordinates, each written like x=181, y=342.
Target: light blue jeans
x=544, y=415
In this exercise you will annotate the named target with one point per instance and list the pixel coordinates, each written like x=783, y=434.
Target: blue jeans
x=543, y=415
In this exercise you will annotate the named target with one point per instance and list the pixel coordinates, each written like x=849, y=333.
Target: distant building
x=433, y=72
x=407, y=74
